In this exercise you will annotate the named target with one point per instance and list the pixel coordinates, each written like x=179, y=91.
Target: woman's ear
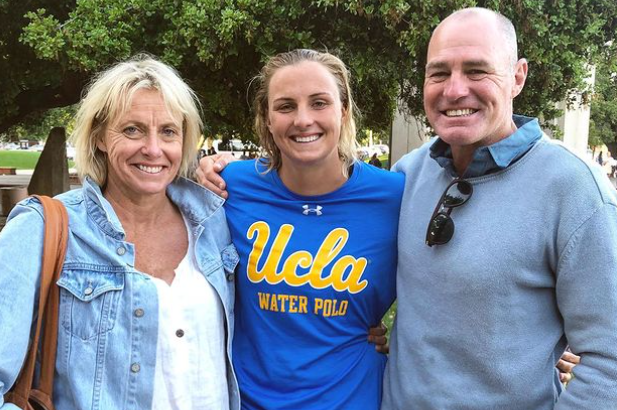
x=268, y=123
x=100, y=144
x=344, y=112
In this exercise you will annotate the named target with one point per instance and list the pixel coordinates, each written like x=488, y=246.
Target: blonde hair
x=109, y=96
x=347, y=146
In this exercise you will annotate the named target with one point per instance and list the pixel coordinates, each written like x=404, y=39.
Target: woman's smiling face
x=305, y=114
x=143, y=146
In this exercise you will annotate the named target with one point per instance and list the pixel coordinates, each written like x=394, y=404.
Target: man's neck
x=462, y=157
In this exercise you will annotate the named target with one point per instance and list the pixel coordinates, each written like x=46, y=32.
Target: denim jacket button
x=230, y=277
x=121, y=250
x=179, y=332
x=88, y=291
x=135, y=367
x=139, y=312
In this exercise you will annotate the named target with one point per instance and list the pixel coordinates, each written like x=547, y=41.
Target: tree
x=603, y=127
x=28, y=84
x=37, y=125
x=49, y=48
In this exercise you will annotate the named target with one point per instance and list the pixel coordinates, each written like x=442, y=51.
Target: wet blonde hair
x=109, y=96
x=347, y=146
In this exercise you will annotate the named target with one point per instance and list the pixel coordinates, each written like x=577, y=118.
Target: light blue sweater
x=532, y=266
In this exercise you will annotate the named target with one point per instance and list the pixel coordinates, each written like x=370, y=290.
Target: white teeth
x=459, y=113
x=308, y=138
x=150, y=170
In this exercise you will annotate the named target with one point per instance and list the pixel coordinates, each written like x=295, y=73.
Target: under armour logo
x=308, y=210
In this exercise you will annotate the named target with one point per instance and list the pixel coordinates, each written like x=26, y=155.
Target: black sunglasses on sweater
x=441, y=227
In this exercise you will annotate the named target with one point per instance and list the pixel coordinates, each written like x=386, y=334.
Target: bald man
x=507, y=245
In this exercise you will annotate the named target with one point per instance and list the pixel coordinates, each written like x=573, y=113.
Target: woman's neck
x=313, y=180
x=141, y=212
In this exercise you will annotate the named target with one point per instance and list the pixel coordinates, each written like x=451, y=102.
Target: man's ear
x=520, y=76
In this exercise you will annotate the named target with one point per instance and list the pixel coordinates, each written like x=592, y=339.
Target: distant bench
x=74, y=179
x=8, y=171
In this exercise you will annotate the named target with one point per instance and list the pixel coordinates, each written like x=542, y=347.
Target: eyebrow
x=476, y=63
x=442, y=65
x=436, y=65
x=320, y=94
x=172, y=123
x=144, y=125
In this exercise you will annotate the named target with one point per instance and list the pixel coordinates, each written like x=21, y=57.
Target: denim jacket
x=107, y=328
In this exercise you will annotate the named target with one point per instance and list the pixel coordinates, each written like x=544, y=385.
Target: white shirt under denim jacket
x=107, y=339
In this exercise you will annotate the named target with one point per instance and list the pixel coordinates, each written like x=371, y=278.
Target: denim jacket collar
x=495, y=157
x=197, y=206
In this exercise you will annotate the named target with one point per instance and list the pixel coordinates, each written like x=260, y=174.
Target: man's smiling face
x=471, y=81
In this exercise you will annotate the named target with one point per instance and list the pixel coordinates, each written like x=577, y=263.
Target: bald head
x=491, y=18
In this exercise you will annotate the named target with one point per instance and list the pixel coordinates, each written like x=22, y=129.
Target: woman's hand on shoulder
x=208, y=172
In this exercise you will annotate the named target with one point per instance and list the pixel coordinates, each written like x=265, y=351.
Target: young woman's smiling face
x=305, y=114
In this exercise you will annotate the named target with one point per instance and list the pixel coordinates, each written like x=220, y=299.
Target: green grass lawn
x=21, y=159
x=388, y=319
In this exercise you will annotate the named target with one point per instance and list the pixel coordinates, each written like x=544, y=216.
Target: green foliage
x=42, y=34
x=37, y=125
x=388, y=320
x=29, y=84
x=603, y=127
x=219, y=45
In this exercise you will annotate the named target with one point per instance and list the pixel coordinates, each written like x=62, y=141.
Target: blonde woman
x=146, y=309
x=316, y=232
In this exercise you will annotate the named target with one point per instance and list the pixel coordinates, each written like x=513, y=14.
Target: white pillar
x=408, y=133
x=574, y=124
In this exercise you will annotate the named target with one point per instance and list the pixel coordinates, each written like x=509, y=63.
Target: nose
x=152, y=145
x=304, y=117
x=456, y=86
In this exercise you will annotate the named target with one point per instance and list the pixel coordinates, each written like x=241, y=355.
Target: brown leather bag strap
x=59, y=235
x=54, y=251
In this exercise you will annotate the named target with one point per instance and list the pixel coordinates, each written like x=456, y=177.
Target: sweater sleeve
x=21, y=245
x=587, y=299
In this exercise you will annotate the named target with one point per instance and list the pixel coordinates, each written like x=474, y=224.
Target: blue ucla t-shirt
x=314, y=274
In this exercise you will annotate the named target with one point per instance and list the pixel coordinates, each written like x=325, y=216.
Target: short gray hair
x=503, y=24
